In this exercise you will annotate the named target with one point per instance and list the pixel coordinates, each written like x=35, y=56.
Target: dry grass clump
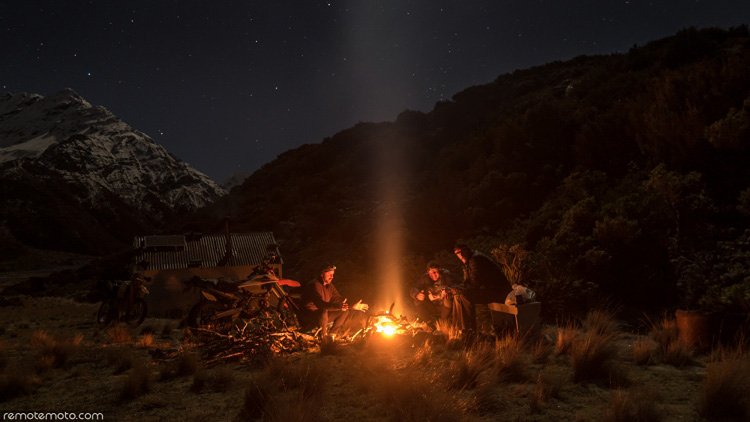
x=120, y=359
x=601, y=322
x=540, y=351
x=306, y=376
x=286, y=393
x=592, y=358
x=257, y=398
x=148, y=329
x=549, y=383
x=423, y=357
x=185, y=365
x=53, y=352
x=137, y=382
x=633, y=406
x=677, y=354
x=409, y=398
x=670, y=349
x=3, y=356
x=119, y=333
x=219, y=380
x=565, y=336
x=464, y=372
x=510, y=364
x=449, y=330
x=166, y=330
x=644, y=351
x=725, y=388
x=146, y=341
x=328, y=346
x=17, y=383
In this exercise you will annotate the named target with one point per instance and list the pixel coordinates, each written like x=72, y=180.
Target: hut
x=170, y=260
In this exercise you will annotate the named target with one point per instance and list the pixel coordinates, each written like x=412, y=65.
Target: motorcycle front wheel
x=137, y=313
x=105, y=314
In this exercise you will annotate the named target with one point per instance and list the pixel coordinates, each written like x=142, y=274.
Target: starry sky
x=229, y=85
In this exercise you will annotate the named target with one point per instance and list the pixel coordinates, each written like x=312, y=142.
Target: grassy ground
x=54, y=358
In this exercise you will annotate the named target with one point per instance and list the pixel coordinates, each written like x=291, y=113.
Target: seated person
x=430, y=295
x=322, y=302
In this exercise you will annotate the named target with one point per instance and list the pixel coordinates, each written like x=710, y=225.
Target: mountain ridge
x=62, y=149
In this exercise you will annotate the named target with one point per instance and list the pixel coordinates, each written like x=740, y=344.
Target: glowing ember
x=386, y=324
x=386, y=327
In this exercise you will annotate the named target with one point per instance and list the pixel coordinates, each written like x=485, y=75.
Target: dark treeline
x=626, y=176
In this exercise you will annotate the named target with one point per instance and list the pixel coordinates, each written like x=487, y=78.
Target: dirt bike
x=224, y=307
x=124, y=301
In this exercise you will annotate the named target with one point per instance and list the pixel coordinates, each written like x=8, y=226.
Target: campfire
x=387, y=324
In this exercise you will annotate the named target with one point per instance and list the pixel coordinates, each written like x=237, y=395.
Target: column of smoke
x=368, y=37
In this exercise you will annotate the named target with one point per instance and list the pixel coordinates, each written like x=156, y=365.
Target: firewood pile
x=251, y=341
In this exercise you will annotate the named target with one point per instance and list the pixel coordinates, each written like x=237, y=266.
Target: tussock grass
x=565, y=336
x=541, y=351
x=601, y=322
x=644, y=351
x=184, y=365
x=464, y=372
x=549, y=383
x=592, y=358
x=306, y=376
x=724, y=353
x=218, y=380
x=286, y=392
x=639, y=405
x=146, y=341
x=411, y=399
x=329, y=347
x=166, y=330
x=451, y=331
x=120, y=359
x=147, y=329
x=423, y=357
x=677, y=354
x=298, y=398
x=17, y=383
x=257, y=398
x=53, y=352
x=119, y=334
x=725, y=388
x=670, y=349
x=3, y=356
x=137, y=382
x=510, y=364
x=293, y=409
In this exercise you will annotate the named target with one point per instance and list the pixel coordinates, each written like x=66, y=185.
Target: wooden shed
x=170, y=260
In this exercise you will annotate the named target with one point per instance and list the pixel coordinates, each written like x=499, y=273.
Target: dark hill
x=624, y=174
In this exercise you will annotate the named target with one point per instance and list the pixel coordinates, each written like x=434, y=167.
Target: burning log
x=388, y=324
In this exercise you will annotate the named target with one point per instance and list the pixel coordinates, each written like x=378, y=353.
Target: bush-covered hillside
x=627, y=177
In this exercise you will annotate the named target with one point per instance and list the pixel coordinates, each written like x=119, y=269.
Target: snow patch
x=30, y=149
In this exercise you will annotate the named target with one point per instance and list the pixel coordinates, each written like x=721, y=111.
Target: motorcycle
x=124, y=301
x=224, y=307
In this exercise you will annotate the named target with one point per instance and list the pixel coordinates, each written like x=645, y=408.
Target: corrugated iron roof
x=201, y=251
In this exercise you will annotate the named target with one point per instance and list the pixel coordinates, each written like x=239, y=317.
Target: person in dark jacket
x=484, y=282
x=322, y=303
x=430, y=293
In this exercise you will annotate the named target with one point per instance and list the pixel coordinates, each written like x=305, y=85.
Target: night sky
x=229, y=85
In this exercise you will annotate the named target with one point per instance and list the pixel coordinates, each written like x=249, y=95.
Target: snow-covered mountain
x=64, y=148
